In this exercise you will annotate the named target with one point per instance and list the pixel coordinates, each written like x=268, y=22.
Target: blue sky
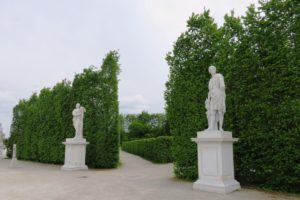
x=44, y=42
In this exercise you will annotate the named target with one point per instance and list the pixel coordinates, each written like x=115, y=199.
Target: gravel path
x=135, y=179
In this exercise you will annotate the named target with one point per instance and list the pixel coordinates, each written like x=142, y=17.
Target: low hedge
x=157, y=149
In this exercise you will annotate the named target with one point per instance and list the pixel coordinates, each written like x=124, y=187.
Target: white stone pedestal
x=13, y=163
x=75, y=154
x=215, y=162
x=1, y=149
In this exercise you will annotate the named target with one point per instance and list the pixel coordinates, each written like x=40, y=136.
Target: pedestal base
x=74, y=168
x=1, y=149
x=75, y=154
x=215, y=162
x=224, y=188
x=13, y=163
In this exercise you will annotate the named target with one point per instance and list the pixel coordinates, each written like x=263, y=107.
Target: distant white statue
x=1, y=135
x=1, y=140
x=14, y=151
x=215, y=102
x=14, y=161
x=78, y=114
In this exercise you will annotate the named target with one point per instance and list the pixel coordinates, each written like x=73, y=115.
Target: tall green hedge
x=187, y=89
x=268, y=100
x=154, y=149
x=41, y=123
x=259, y=58
x=108, y=135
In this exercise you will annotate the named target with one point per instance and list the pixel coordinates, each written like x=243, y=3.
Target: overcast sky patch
x=133, y=104
x=44, y=42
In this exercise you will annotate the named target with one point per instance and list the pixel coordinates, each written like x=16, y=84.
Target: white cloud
x=133, y=104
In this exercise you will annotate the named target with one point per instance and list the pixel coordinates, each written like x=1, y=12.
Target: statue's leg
x=212, y=120
x=221, y=118
x=216, y=121
x=80, y=134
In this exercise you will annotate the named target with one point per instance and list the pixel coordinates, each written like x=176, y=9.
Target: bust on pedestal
x=215, y=146
x=76, y=147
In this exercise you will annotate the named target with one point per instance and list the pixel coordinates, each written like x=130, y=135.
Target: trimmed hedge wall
x=259, y=57
x=187, y=90
x=157, y=149
x=41, y=123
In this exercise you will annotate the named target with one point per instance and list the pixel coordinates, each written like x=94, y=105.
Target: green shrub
x=155, y=149
x=138, y=130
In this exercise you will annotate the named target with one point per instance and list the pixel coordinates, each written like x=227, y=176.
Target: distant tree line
x=41, y=123
x=143, y=125
x=259, y=56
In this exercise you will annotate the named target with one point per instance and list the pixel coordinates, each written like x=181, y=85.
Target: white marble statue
x=215, y=102
x=78, y=114
x=14, y=151
x=75, y=148
x=215, y=146
x=14, y=161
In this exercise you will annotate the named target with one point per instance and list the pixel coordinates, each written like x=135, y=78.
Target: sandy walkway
x=136, y=179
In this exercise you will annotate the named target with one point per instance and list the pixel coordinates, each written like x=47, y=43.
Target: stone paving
x=135, y=179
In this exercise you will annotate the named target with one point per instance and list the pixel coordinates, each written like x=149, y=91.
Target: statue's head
x=212, y=70
x=77, y=105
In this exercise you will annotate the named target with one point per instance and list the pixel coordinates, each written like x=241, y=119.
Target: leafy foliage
x=108, y=135
x=269, y=98
x=138, y=129
x=41, y=123
x=155, y=149
x=259, y=57
x=187, y=89
x=144, y=125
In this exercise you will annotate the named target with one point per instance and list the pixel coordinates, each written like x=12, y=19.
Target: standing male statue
x=215, y=102
x=14, y=161
x=78, y=113
x=75, y=148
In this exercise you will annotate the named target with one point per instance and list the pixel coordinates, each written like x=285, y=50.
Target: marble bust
x=215, y=102
x=78, y=114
